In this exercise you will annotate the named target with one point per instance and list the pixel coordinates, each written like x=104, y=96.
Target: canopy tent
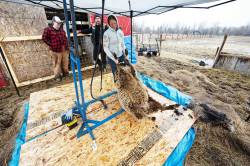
x=121, y=7
x=129, y=8
x=132, y=8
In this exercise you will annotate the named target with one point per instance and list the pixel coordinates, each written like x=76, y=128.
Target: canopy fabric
x=139, y=7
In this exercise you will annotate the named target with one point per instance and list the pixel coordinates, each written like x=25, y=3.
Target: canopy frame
x=138, y=13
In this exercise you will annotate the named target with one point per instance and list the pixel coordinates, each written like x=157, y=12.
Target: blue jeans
x=113, y=64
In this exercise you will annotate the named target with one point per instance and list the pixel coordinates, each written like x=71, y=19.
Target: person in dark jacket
x=97, y=42
x=55, y=37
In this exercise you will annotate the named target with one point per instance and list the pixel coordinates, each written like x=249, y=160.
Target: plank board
x=114, y=140
x=29, y=59
x=23, y=38
x=49, y=77
x=173, y=128
x=117, y=140
x=10, y=67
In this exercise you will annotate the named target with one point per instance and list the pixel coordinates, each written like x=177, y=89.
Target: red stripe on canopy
x=124, y=23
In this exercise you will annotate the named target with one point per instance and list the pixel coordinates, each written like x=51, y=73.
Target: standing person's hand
x=63, y=49
x=116, y=61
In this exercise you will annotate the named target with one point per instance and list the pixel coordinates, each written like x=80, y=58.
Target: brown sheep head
x=124, y=75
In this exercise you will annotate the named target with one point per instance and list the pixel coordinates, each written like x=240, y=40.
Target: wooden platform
x=46, y=106
x=121, y=141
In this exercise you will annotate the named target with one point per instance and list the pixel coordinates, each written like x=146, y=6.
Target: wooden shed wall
x=29, y=59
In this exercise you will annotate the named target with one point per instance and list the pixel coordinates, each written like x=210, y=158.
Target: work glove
x=69, y=115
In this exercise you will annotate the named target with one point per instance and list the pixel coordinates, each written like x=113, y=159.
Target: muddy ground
x=227, y=92
x=215, y=144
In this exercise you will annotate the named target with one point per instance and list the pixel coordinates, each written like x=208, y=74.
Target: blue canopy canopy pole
x=131, y=30
x=74, y=27
x=131, y=44
x=88, y=125
x=66, y=20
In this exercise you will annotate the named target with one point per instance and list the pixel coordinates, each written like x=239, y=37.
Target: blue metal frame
x=82, y=105
x=88, y=125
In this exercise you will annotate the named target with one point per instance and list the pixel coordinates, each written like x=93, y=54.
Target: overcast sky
x=232, y=14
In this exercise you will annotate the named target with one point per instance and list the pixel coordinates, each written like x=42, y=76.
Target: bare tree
x=201, y=30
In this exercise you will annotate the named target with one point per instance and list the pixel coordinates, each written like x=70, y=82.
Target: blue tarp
x=165, y=90
x=127, y=40
x=176, y=158
x=179, y=154
x=20, y=139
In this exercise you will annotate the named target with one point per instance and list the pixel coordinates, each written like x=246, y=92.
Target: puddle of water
x=209, y=62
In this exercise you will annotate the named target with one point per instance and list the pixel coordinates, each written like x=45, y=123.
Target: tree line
x=200, y=30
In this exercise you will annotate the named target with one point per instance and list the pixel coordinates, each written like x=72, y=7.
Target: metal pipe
x=66, y=20
x=76, y=62
x=75, y=80
x=131, y=39
x=221, y=4
x=131, y=30
x=31, y=1
x=83, y=112
x=72, y=11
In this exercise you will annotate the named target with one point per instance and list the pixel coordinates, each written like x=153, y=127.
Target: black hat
x=111, y=17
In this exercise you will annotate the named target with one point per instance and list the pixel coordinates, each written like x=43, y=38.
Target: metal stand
x=88, y=125
x=131, y=30
x=81, y=105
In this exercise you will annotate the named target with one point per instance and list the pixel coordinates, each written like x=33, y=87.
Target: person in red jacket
x=55, y=37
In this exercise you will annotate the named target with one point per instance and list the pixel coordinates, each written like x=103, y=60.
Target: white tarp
x=140, y=7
